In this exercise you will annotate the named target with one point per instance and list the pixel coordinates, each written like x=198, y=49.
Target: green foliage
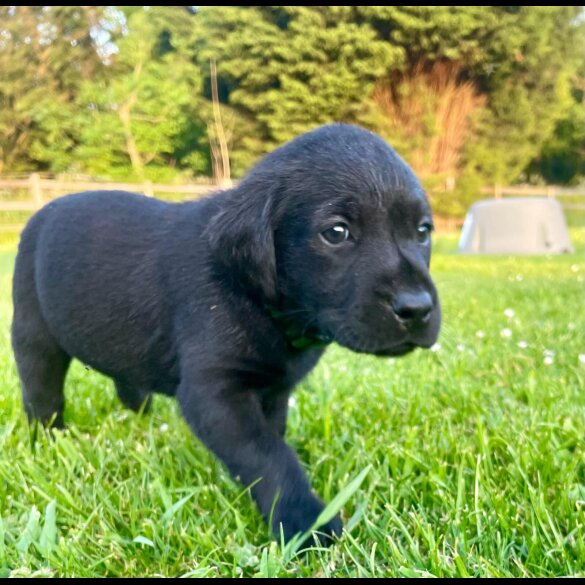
x=467, y=94
x=562, y=158
x=434, y=32
x=138, y=116
x=46, y=54
x=536, y=51
x=291, y=68
x=471, y=458
x=510, y=74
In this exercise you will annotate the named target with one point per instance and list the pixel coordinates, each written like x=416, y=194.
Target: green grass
x=475, y=453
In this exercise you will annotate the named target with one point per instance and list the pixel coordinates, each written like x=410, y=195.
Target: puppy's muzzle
x=413, y=309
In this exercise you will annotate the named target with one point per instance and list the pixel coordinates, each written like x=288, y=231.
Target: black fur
x=227, y=302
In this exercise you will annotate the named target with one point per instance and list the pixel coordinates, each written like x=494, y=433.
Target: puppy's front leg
x=231, y=423
x=275, y=409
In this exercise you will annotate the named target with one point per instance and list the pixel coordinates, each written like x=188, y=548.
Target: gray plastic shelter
x=519, y=225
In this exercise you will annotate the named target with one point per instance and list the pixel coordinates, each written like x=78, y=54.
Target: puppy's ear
x=241, y=239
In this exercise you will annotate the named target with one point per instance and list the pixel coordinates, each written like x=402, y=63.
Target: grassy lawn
x=475, y=453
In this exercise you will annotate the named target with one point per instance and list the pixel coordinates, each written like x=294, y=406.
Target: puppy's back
x=92, y=262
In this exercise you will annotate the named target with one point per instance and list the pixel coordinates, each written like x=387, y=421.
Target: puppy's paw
x=324, y=535
x=299, y=515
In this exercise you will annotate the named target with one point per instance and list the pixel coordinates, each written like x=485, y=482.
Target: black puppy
x=228, y=302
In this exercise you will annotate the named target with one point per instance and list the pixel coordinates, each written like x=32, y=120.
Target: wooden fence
x=23, y=195
x=28, y=194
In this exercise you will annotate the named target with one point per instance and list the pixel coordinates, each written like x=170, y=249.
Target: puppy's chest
x=276, y=375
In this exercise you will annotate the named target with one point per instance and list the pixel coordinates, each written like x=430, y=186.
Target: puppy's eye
x=424, y=233
x=337, y=234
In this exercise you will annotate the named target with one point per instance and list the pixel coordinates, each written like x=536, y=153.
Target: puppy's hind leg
x=42, y=366
x=135, y=399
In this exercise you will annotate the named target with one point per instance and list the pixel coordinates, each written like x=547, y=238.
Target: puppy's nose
x=412, y=307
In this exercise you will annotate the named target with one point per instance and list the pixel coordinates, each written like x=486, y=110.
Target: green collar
x=296, y=337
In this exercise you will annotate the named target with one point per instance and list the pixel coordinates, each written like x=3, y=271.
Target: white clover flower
x=509, y=313
x=574, y=268
x=163, y=428
x=548, y=360
x=292, y=402
x=460, y=347
x=548, y=353
x=506, y=333
x=522, y=344
x=519, y=277
x=435, y=348
x=480, y=334
x=582, y=358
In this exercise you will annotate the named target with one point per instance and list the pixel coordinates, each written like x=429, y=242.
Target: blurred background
x=170, y=99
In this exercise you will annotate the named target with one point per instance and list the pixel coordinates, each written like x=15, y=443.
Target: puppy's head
x=334, y=231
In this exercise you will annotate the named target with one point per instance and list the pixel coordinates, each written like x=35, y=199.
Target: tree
x=536, y=52
x=461, y=92
x=143, y=115
x=286, y=69
x=46, y=53
x=562, y=158
x=480, y=91
x=426, y=105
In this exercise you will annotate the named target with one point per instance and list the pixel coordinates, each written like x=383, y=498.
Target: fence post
x=35, y=189
x=148, y=189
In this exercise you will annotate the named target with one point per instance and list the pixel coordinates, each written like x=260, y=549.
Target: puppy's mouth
x=392, y=348
x=361, y=346
x=397, y=350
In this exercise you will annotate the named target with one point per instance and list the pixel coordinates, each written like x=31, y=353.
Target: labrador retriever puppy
x=228, y=302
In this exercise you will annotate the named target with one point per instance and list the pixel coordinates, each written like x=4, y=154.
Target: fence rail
x=38, y=188
x=28, y=194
